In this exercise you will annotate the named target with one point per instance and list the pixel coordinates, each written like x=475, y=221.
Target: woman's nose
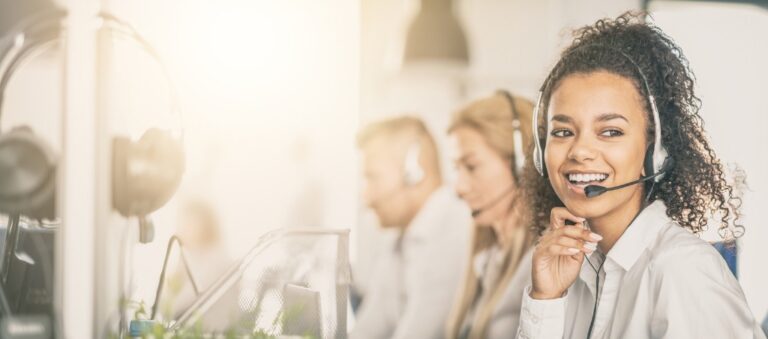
x=582, y=149
x=462, y=185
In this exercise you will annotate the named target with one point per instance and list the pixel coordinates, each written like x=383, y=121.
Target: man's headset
x=145, y=173
x=413, y=173
x=657, y=161
x=517, y=164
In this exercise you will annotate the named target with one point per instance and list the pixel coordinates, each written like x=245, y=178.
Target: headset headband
x=42, y=30
x=659, y=156
x=517, y=137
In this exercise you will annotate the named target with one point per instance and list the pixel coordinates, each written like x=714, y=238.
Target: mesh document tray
x=293, y=282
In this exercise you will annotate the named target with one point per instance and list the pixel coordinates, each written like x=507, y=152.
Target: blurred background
x=273, y=93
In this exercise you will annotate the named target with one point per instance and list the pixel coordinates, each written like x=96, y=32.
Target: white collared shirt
x=415, y=281
x=658, y=281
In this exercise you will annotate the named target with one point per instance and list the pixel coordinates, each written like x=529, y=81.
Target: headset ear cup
x=414, y=174
x=146, y=173
x=121, y=196
x=412, y=171
x=166, y=155
x=648, y=161
x=648, y=168
x=538, y=160
x=27, y=175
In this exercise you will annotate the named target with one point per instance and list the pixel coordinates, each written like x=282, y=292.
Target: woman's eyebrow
x=611, y=116
x=466, y=157
x=562, y=118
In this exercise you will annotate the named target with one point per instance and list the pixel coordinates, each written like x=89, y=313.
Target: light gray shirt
x=414, y=284
x=506, y=314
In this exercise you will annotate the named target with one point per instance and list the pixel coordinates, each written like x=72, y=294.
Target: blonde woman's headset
x=517, y=164
x=517, y=134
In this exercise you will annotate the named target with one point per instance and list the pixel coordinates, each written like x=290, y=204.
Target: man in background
x=418, y=274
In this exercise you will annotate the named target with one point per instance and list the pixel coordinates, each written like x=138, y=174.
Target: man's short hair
x=403, y=127
x=401, y=131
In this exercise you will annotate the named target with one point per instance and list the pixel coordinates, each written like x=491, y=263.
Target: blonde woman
x=489, y=137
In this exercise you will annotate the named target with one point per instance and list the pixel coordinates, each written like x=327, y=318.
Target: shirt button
x=534, y=319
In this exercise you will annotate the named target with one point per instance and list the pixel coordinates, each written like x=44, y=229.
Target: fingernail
x=595, y=237
x=572, y=250
x=590, y=246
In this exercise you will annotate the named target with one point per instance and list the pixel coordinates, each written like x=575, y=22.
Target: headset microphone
x=592, y=191
x=493, y=202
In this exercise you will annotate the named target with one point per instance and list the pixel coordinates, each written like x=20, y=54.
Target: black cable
x=5, y=307
x=11, y=241
x=161, y=282
x=597, y=272
x=597, y=293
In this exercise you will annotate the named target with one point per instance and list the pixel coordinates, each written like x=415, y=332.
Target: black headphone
x=145, y=173
x=656, y=159
x=517, y=135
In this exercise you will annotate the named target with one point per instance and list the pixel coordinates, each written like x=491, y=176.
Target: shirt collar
x=639, y=235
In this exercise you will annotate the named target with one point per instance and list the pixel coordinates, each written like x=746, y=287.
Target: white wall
x=727, y=49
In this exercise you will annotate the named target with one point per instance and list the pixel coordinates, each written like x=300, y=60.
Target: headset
x=145, y=173
x=413, y=173
x=517, y=135
x=27, y=162
x=517, y=164
x=657, y=161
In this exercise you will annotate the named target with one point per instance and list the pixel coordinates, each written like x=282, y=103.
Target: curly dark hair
x=694, y=187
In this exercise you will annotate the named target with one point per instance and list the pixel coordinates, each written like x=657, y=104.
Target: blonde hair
x=493, y=118
x=405, y=130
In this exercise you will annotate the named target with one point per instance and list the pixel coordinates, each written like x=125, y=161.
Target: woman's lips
x=579, y=188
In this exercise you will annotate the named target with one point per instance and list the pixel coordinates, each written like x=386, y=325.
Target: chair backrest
x=728, y=250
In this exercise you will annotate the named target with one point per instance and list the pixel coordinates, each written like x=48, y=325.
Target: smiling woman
x=697, y=170
x=598, y=136
x=620, y=110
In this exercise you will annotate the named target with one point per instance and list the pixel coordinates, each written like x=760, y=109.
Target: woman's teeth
x=578, y=178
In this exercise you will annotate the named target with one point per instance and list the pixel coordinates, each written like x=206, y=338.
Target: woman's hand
x=558, y=256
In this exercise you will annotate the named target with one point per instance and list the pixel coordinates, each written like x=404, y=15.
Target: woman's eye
x=561, y=133
x=612, y=133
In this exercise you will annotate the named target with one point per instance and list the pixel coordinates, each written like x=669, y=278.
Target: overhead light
x=436, y=35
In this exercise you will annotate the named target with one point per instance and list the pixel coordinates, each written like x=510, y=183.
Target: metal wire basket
x=293, y=282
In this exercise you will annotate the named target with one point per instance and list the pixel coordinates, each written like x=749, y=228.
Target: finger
x=559, y=215
x=584, y=246
x=556, y=249
x=570, y=242
x=577, y=232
